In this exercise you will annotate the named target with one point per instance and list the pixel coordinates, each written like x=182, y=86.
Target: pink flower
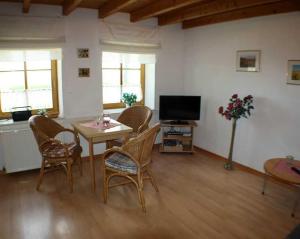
x=234, y=96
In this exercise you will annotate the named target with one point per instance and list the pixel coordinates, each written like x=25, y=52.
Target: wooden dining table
x=95, y=135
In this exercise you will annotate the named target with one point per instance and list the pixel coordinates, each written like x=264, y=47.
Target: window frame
x=121, y=104
x=51, y=112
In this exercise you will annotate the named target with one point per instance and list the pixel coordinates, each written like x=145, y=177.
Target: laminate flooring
x=197, y=199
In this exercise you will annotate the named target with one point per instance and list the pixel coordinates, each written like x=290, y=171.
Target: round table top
x=280, y=168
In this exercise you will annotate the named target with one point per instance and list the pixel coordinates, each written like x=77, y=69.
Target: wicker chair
x=131, y=161
x=137, y=117
x=54, y=152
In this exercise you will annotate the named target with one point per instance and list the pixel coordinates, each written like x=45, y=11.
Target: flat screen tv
x=179, y=108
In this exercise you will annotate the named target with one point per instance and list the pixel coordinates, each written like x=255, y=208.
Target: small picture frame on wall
x=293, y=75
x=83, y=52
x=248, y=60
x=84, y=72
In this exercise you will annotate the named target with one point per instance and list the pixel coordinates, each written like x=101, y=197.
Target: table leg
x=296, y=204
x=92, y=165
x=264, y=184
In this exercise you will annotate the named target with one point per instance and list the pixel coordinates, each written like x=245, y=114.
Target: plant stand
x=229, y=165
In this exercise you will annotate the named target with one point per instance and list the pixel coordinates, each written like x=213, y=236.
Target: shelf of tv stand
x=186, y=142
x=170, y=124
x=179, y=137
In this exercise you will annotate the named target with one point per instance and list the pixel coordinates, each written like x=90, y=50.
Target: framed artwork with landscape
x=293, y=76
x=248, y=61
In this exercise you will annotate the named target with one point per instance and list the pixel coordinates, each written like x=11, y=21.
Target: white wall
x=82, y=29
x=210, y=56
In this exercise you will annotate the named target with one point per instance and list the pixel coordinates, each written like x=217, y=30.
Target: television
x=179, y=108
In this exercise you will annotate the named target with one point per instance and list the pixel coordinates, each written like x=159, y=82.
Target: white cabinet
x=19, y=149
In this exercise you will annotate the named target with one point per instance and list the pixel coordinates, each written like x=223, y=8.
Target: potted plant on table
x=236, y=109
x=129, y=98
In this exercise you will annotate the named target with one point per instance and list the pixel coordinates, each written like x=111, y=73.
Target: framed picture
x=83, y=52
x=248, y=61
x=293, y=76
x=84, y=72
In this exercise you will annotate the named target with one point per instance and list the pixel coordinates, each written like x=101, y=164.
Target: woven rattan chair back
x=54, y=152
x=141, y=146
x=137, y=117
x=44, y=128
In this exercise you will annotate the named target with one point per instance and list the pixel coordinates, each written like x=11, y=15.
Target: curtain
x=20, y=98
x=30, y=55
x=128, y=38
x=128, y=58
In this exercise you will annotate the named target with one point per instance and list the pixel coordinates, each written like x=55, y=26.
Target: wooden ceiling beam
x=69, y=6
x=262, y=10
x=208, y=8
x=111, y=7
x=26, y=6
x=158, y=7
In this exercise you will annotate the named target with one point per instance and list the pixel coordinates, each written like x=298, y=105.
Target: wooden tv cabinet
x=177, y=137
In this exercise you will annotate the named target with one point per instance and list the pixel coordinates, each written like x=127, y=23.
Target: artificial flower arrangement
x=236, y=109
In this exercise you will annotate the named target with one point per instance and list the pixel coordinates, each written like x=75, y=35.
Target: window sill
x=9, y=122
x=113, y=111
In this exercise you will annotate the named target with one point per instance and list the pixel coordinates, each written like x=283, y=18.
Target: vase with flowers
x=236, y=109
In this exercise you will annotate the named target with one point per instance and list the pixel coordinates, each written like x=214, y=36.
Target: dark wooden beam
x=112, y=6
x=208, y=8
x=158, y=7
x=26, y=6
x=70, y=5
x=267, y=9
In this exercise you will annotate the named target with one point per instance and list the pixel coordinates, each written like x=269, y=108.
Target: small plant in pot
x=129, y=99
x=42, y=112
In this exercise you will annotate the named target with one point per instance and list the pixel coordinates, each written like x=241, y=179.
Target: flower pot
x=229, y=164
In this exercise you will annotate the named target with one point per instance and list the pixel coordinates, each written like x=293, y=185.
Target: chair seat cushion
x=58, y=151
x=121, y=162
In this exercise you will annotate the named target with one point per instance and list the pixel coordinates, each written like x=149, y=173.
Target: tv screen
x=177, y=107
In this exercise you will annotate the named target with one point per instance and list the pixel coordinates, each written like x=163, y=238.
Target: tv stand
x=178, y=122
x=177, y=136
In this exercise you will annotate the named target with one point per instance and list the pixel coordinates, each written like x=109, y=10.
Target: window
x=119, y=78
x=28, y=83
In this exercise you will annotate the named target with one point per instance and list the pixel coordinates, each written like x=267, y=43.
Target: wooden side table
x=280, y=169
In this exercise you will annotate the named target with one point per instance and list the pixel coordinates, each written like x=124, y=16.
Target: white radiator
x=19, y=150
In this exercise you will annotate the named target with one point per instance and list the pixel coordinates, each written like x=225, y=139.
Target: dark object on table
x=295, y=234
x=21, y=113
x=296, y=170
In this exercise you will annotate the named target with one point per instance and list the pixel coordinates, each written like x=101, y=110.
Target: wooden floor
x=197, y=199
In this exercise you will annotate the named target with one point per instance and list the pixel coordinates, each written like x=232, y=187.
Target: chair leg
x=69, y=175
x=42, y=172
x=105, y=186
x=264, y=184
x=80, y=164
x=141, y=192
x=153, y=182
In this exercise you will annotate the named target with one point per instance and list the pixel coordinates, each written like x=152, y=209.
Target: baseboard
x=242, y=167
x=235, y=164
